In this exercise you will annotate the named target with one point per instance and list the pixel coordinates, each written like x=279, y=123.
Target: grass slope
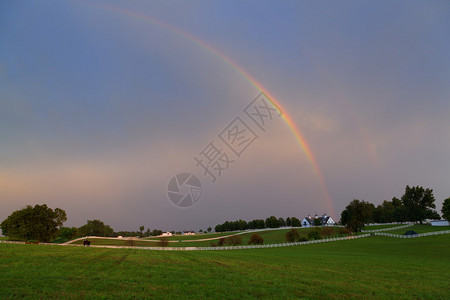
x=375, y=267
x=385, y=226
x=195, y=237
x=269, y=236
x=419, y=229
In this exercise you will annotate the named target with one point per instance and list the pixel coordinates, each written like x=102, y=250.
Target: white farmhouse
x=324, y=221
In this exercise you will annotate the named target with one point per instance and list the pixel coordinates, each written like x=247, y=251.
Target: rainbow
x=300, y=139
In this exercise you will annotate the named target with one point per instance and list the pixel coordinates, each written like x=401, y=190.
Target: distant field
x=374, y=267
x=269, y=236
x=419, y=229
x=375, y=227
x=195, y=237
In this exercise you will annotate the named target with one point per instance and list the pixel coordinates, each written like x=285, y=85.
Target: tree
x=317, y=222
x=272, y=222
x=141, y=229
x=39, y=223
x=67, y=234
x=209, y=229
x=356, y=214
x=446, y=209
x=296, y=222
x=256, y=239
x=156, y=232
x=417, y=202
x=292, y=235
x=400, y=213
x=288, y=222
x=96, y=228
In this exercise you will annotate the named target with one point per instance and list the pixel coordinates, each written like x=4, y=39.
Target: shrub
x=327, y=231
x=233, y=240
x=344, y=230
x=131, y=243
x=256, y=239
x=292, y=235
x=163, y=242
x=314, y=234
x=221, y=242
x=302, y=239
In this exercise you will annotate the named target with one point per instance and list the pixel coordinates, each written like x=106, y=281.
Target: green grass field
x=195, y=237
x=375, y=227
x=419, y=229
x=375, y=267
x=270, y=237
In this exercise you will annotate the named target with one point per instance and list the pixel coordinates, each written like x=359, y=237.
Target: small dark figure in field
x=86, y=243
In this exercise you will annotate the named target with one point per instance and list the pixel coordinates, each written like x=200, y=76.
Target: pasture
x=381, y=226
x=419, y=229
x=273, y=236
x=374, y=267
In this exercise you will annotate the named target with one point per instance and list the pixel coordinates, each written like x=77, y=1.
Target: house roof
x=323, y=219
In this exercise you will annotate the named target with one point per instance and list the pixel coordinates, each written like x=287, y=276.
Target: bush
x=344, y=231
x=256, y=239
x=233, y=240
x=221, y=242
x=292, y=235
x=314, y=234
x=302, y=239
x=327, y=232
x=131, y=243
x=163, y=242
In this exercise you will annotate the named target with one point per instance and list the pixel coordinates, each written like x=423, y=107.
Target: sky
x=102, y=103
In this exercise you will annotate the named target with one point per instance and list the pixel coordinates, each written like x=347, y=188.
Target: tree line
x=416, y=205
x=270, y=222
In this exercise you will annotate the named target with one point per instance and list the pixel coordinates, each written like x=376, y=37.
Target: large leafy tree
x=39, y=223
x=96, y=228
x=356, y=214
x=418, y=203
x=446, y=209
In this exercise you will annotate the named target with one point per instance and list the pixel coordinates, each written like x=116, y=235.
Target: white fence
x=233, y=247
x=351, y=237
x=411, y=236
x=389, y=228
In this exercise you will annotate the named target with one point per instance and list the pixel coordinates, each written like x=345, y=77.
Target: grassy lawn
x=419, y=229
x=269, y=236
x=142, y=243
x=196, y=237
x=375, y=227
x=374, y=267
